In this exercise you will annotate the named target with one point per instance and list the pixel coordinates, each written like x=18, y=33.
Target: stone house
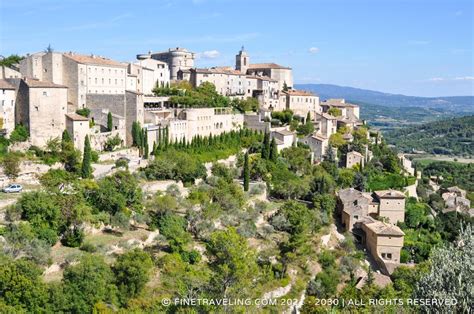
x=7, y=107
x=283, y=138
x=300, y=102
x=391, y=205
x=354, y=158
x=41, y=107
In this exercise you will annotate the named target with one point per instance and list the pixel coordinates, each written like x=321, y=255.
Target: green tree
x=450, y=275
x=11, y=60
x=86, y=170
x=65, y=138
x=87, y=283
x=110, y=123
x=145, y=143
x=266, y=146
x=132, y=271
x=11, y=165
x=21, y=286
x=273, y=150
x=233, y=264
x=19, y=134
x=336, y=112
x=246, y=172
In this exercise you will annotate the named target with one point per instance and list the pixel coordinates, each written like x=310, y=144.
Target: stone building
x=176, y=59
x=7, y=107
x=300, y=102
x=391, y=205
x=384, y=241
x=354, y=158
x=283, y=138
x=318, y=144
x=9, y=73
x=354, y=205
x=41, y=107
x=159, y=76
x=77, y=127
x=191, y=122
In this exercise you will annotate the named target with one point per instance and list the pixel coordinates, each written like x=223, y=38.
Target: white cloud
x=210, y=54
x=313, y=50
x=458, y=78
x=464, y=78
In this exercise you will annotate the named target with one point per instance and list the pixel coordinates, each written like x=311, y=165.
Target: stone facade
x=41, y=107
x=283, y=138
x=392, y=205
x=176, y=58
x=77, y=127
x=9, y=73
x=300, y=102
x=7, y=107
x=354, y=158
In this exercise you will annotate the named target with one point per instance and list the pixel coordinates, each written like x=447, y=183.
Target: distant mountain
x=459, y=103
x=392, y=111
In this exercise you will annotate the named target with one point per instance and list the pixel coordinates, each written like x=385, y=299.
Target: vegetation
x=11, y=60
x=448, y=137
x=86, y=170
x=19, y=134
x=205, y=95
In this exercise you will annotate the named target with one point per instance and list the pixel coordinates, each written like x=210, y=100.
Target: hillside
x=449, y=137
x=390, y=111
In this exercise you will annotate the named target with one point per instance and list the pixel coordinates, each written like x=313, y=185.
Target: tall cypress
x=145, y=144
x=246, y=172
x=109, y=121
x=273, y=150
x=86, y=170
x=65, y=138
x=266, y=146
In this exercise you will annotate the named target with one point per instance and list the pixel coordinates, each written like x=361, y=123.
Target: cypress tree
x=145, y=144
x=266, y=146
x=273, y=150
x=109, y=121
x=86, y=170
x=246, y=172
x=153, y=151
x=65, y=138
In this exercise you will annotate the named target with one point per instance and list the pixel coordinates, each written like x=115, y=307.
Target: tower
x=242, y=61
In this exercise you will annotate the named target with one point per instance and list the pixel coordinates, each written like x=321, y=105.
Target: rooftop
x=93, y=59
x=267, y=66
x=355, y=153
x=382, y=228
x=4, y=84
x=76, y=117
x=389, y=194
x=34, y=83
x=293, y=92
x=285, y=132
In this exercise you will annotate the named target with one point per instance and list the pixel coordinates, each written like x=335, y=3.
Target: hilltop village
x=172, y=181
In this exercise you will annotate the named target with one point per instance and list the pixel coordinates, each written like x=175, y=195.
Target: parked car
x=13, y=188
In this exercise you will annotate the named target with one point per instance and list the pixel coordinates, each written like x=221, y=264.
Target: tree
x=450, y=275
x=336, y=140
x=246, y=172
x=86, y=170
x=19, y=134
x=65, y=138
x=360, y=182
x=110, y=123
x=145, y=143
x=285, y=87
x=21, y=286
x=273, y=150
x=112, y=142
x=132, y=270
x=87, y=283
x=233, y=263
x=11, y=60
x=266, y=146
x=11, y=165
x=336, y=112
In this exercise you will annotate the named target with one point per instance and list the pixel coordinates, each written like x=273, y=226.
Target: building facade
x=176, y=59
x=7, y=107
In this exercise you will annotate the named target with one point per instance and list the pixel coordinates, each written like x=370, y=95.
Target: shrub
x=73, y=237
x=19, y=134
x=88, y=247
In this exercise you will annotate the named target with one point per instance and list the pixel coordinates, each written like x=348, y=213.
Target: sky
x=411, y=47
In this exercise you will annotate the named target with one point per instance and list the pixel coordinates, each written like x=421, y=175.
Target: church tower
x=242, y=61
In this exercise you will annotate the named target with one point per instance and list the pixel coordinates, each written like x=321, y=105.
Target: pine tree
x=246, y=172
x=110, y=123
x=87, y=159
x=273, y=150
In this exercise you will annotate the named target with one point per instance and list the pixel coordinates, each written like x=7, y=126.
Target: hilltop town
x=219, y=182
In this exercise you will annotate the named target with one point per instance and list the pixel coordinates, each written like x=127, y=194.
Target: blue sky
x=412, y=47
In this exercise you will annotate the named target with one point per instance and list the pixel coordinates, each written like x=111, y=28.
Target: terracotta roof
x=4, y=84
x=389, y=194
x=76, y=117
x=293, y=92
x=382, y=228
x=267, y=66
x=34, y=83
x=97, y=60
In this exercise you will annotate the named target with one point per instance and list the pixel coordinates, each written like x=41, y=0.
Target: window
x=356, y=217
x=45, y=93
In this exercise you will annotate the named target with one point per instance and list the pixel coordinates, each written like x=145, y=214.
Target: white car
x=13, y=188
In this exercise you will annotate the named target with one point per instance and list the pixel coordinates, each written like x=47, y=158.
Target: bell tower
x=242, y=61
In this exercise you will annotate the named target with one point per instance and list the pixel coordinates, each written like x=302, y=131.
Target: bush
x=88, y=247
x=11, y=165
x=19, y=134
x=73, y=237
x=85, y=112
